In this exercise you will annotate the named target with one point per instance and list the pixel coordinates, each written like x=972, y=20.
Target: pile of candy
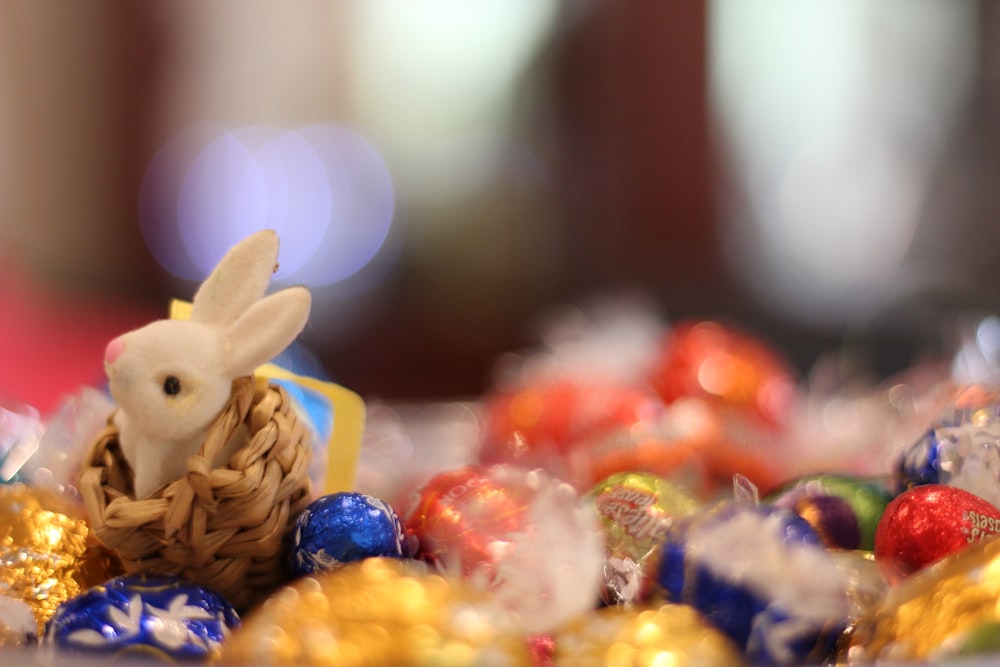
x=631, y=492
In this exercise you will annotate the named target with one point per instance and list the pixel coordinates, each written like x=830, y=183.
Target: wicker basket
x=221, y=527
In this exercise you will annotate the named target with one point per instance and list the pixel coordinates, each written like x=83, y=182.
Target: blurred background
x=443, y=174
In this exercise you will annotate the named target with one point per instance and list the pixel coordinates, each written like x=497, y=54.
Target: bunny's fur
x=172, y=378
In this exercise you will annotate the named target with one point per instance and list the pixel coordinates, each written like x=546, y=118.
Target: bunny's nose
x=114, y=350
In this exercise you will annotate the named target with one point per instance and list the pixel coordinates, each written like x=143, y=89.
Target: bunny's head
x=172, y=378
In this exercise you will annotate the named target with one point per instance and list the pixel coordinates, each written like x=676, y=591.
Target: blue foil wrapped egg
x=343, y=527
x=761, y=575
x=961, y=448
x=161, y=616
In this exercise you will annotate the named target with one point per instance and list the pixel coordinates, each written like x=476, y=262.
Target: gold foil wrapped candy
x=46, y=556
x=669, y=634
x=380, y=611
x=936, y=612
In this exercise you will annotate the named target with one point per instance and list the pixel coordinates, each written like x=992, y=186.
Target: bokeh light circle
x=325, y=189
x=363, y=203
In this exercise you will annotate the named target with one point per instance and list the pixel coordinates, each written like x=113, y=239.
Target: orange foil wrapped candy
x=583, y=430
x=552, y=424
x=375, y=613
x=748, y=388
x=459, y=513
x=527, y=538
x=47, y=555
x=726, y=368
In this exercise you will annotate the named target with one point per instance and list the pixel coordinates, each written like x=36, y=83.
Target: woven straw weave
x=220, y=527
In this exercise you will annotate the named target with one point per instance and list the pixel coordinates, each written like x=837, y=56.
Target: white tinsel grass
x=551, y=569
x=747, y=550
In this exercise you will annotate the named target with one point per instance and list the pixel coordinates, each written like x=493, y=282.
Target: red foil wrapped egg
x=927, y=523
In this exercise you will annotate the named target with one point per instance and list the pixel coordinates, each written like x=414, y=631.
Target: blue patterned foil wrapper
x=961, y=448
x=342, y=527
x=160, y=616
x=761, y=575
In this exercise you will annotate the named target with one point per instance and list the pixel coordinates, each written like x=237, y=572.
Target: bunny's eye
x=171, y=386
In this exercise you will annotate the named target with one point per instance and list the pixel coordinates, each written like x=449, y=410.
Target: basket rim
x=221, y=525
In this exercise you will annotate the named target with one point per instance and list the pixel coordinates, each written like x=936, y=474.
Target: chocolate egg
x=927, y=523
x=342, y=527
x=156, y=615
x=935, y=613
x=557, y=424
x=844, y=510
x=526, y=537
x=374, y=613
x=761, y=575
x=667, y=634
x=635, y=510
x=717, y=363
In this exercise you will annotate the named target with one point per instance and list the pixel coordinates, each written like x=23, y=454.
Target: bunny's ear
x=265, y=329
x=238, y=280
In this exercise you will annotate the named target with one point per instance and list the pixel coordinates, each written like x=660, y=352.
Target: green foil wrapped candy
x=635, y=509
x=844, y=510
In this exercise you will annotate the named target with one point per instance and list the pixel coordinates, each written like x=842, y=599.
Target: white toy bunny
x=172, y=378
